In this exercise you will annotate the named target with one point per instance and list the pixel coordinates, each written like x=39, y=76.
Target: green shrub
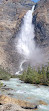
x=1, y=84
x=36, y=77
x=4, y=75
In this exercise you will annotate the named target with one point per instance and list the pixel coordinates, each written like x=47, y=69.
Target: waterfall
x=26, y=44
x=26, y=39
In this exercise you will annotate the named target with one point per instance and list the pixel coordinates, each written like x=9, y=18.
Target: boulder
x=25, y=105
x=42, y=102
x=11, y=107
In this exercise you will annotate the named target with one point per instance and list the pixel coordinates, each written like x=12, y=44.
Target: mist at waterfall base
x=26, y=45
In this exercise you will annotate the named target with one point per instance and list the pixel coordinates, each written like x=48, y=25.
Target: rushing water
x=27, y=92
x=26, y=44
x=26, y=38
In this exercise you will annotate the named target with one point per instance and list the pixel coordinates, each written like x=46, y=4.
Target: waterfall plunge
x=26, y=43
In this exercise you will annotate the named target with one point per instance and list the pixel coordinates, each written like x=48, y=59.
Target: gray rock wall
x=41, y=22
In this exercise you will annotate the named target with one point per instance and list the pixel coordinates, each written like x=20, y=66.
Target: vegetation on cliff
x=4, y=75
x=36, y=77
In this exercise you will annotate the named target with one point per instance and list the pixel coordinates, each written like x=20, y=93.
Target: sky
x=35, y=0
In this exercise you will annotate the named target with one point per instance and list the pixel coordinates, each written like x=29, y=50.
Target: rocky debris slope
x=11, y=14
x=11, y=104
x=41, y=22
x=8, y=103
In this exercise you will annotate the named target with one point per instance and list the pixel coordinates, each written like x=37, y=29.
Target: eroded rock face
x=11, y=14
x=41, y=22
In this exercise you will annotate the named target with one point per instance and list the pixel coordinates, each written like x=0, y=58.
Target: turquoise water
x=27, y=92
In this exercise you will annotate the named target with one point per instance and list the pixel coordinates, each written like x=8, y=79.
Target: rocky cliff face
x=41, y=22
x=11, y=14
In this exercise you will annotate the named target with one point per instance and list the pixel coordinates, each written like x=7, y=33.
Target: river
x=27, y=92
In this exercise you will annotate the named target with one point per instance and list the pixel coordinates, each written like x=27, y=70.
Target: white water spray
x=20, y=68
x=26, y=40
x=26, y=44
